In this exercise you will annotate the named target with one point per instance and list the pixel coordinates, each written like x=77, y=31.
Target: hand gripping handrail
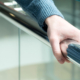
x=25, y=23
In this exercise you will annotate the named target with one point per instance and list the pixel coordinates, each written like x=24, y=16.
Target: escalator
x=25, y=52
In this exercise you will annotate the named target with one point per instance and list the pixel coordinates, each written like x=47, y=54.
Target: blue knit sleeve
x=40, y=9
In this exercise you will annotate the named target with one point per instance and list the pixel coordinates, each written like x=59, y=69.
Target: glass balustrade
x=8, y=50
x=30, y=59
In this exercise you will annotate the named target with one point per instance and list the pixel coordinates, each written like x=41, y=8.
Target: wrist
x=52, y=19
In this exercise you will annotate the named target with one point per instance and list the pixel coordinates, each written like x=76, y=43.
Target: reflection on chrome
x=18, y=9
x=10, y=3
x=12, y=14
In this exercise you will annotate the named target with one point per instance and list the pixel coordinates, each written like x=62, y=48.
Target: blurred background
x=23, y=57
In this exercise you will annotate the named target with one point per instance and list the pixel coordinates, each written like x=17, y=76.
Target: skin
x=59, y=30
x=64, y=45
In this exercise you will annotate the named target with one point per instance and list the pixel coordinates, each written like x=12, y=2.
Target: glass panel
x=38, y=62
x=66, y=71
x=8, y=50
x=35, y=59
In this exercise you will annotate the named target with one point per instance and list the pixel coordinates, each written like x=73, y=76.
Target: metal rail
x=24, y=22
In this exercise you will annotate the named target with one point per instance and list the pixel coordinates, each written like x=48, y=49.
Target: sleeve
x=40, y=9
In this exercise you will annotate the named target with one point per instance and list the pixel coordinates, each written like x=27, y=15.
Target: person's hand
x=64, y=45
x=58, y=31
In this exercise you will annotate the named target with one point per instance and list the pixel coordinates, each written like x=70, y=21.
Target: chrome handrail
x=24, y=22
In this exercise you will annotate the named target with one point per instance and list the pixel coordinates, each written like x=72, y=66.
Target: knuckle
x=58, y=55
x=52, y=39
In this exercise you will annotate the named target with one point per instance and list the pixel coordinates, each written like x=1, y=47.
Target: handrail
x=26, y=21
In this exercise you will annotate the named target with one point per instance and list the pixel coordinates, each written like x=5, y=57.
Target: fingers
x=64, y=45
x=56, y=50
